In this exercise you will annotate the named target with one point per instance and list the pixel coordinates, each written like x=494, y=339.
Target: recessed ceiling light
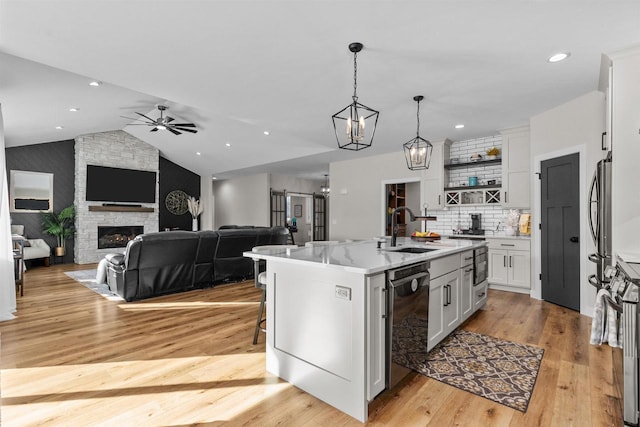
x=214, y=177
x=460, y=126
x=95, y=83
x=197, y=153
x=59, y=127
x=266, y=132
x=74, y=109
x=560, y=56
x=227, y=144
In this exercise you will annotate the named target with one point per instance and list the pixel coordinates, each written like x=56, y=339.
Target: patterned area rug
x=88, y=279
x=502, y=371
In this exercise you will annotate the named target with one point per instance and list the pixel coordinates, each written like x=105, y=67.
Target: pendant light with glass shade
x=355, y=125
x=418, y=150
x=325, y=189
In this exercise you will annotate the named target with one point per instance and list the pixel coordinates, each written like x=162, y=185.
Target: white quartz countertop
x=364, y=257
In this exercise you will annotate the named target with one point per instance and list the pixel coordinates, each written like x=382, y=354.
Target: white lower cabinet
x=444, y=308
x=466, y=285
x=376, y=319
x=510, y=264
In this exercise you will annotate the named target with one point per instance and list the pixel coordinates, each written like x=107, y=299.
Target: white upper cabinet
x=433, y=178
x=516, y=172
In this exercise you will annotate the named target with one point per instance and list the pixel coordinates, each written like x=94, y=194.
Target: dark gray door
x=560, y=215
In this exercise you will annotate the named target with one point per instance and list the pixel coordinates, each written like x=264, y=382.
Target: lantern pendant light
x=418, y=150
x=355, y=125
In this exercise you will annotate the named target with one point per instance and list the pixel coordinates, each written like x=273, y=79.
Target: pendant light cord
x=418, y=116
x=355, y=75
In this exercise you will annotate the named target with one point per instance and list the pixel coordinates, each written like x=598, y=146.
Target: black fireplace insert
x=117, y=237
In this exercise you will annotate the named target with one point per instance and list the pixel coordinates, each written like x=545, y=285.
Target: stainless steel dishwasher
x=407, y=323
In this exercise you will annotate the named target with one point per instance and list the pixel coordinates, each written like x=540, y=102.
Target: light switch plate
x=343, y=292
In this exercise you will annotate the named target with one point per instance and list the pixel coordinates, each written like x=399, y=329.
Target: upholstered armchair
x=33, y=248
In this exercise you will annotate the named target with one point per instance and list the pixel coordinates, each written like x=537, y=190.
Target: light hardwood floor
x=73, y=358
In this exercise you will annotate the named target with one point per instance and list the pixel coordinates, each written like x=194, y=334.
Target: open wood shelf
x=97, y=208
x=473, y=187
x=468, y=164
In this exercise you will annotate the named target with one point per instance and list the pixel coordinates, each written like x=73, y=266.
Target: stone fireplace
x=117, y=237
x=114, y=149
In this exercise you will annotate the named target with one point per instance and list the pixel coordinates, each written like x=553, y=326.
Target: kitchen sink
x=412, y=250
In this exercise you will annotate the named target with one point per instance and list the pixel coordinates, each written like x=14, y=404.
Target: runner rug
x=499, y=370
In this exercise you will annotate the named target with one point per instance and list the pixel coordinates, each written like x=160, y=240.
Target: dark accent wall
x=175, y=177
x=57, y=158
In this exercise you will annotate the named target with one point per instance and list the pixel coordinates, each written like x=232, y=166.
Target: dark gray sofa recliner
x=154, y=264
x=175, y=261
x=229, y=264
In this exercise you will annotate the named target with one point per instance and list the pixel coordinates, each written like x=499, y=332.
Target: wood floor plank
x=72, y=357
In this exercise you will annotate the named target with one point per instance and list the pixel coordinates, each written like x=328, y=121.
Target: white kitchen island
x=326, y=314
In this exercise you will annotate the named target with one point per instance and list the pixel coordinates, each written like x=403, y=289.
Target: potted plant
x=59, y=225
x=493, y=153
x=195, y=209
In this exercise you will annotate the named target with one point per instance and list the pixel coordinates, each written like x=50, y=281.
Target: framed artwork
x=297, y=211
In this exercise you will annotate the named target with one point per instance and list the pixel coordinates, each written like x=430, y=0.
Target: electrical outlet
x=343, y=293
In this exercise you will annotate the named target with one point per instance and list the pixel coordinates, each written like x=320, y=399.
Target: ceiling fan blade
x=185, y=129
x=154, y=130
x=188, y=125
x=169, y=119
x=173, y=131
x=148, y=118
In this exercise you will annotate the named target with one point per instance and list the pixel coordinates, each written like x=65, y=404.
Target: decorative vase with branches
x=60, y=225
x=195, y=209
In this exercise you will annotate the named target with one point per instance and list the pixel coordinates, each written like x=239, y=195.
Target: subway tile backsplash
x=492, y=217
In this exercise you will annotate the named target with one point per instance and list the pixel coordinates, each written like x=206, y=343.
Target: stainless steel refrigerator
x=600, y=220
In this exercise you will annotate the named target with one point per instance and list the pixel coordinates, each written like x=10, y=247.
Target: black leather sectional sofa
x=175, y=261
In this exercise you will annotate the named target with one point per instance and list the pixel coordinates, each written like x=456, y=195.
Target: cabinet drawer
x=479, y=295
x=466, y=258
x=509, y=244
x=444, y=265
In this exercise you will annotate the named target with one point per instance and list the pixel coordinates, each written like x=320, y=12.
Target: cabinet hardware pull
x=468, y=258
x=506, y=199
x=385, y=302
x=504, y=260
x=507, y=244
x=481, y=295
x=510, y=261
x=603, y=145
x=439, y=198
x=468, y=270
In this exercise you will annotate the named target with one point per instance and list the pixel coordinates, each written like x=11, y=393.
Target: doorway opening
x=401, y=193
x=304, y=214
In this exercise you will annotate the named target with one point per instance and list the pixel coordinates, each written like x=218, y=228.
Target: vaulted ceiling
x=239, y=68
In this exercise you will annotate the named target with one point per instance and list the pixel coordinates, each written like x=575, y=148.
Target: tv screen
x=105, y=184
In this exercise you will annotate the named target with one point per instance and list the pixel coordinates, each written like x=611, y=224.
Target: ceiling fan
x=164, y=123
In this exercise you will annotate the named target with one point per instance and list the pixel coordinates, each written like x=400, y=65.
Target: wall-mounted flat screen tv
x=105, y=184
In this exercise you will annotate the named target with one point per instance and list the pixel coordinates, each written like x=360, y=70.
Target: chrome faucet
x=394, y=222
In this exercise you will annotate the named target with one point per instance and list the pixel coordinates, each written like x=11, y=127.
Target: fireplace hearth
x=117, y=237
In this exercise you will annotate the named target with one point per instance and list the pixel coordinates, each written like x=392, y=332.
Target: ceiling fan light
x=161, y=127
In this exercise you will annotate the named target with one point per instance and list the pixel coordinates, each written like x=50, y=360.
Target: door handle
x=574, y=239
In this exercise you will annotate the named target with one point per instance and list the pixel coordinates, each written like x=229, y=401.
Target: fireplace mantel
x=98, y=208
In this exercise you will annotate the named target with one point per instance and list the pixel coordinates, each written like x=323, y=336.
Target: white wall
x=246, y=200
x=357, y=206
x=295, y=185
x=242, y=201
x=626, y=152
x=207, y=202
x=574, y=127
